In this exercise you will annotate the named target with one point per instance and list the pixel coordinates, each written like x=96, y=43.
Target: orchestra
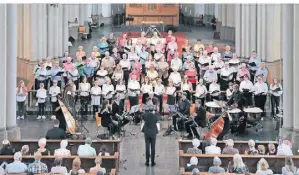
x=154, y=71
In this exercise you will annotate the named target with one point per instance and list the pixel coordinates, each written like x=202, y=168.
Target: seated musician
x=262, y=70
x=56, y=73
x=187, y=54
x=158, y=55
x=175, y=76
x=234, y=64
x=215, y=55
x=242, y=72
x=246, y=87
x=105, y=114
x=204, y=62
x=253, y=64
x=117, y=112
x=201, y=91
x=260, y=89
x=152, y=100
x=186, y=87
x=159, y=90
x=146, y=87
x=184, y=109
x=198, y=119
x=103, y=46
x=227, y=54
x=163, y=69
x=192, y=76
x=126, y=66
x=108, y=90
x=108, y=63
x=188, y=64
x=218, y=65
x=226, y=76
x=152, y=74
x=133, y=91
x=101, y=74
x=95, y=93
x=214, y=90
x=176, y=63
x=54, y=92
x=209, y=76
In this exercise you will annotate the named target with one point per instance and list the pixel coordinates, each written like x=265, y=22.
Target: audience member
x=103, y=151
x=289, y=167
x=195, y=171
x=263, y=167
x=42, y=144
x=284, y=149
x=17, y=166
x=251, y=150
x=261, y=150
x=195, y=149
x=271, y=149
x=97, y=168
x=37, y=166
x=58, y=168
x=62, y=151
x=192, y=165
x=77, y=166
x=229, y=149
x=25, y=150
x=238, y=167
x=216, y=168
x=6, y=149
x=86, y=150
x=213, y=149
x=55, y=132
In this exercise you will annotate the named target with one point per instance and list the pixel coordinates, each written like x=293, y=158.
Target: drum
x=253, y=115
x=214, y=107
x=235, y=114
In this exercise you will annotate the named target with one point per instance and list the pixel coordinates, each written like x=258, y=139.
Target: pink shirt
x=244, y=72
x=172, y=46
x=68, y=66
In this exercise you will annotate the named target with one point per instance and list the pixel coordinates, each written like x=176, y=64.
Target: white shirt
x=95, y=90
x=214, y=87
x=54, y=91
x=204, y=60
x=246, y=85
x=212, y=149
x=74, y=74
x=159, y=89
x=225, y=72
x=210, y=76
x=176, y=78
x=260, y=88
x=94, y=62
x=135, y=86
x=229, y=93
x=235, y=61
x=261, y=172
x=185, y=87
x=85, y=88
x=62, y=152
x=146, y=88
x=277, y=93
x=215, y=56
x=121, y=88
x=218, y=64
x=106, y=89
x=284, y=150
x=170, y=90
x=132, y=56
x=201, y=89
x=176, y=63
x=41, y=95
x=86, y=150
x=20, y=95
x=125, y=64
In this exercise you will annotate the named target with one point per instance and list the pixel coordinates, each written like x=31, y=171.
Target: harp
x=69, y=119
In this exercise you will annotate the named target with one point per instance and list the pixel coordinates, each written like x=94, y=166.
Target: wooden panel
x=161, y=12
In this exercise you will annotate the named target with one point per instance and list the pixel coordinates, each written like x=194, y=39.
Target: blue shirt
x=88, y=70
x=216, y=170
x=257, y=62
x=143, y=55
x=16, y=167
x=86, y=150
x=103, y=47
x=54, y=71
x=262, y=71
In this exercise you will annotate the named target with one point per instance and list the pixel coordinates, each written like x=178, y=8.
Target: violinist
x=184, y=109
x=198, y=119
x=106, y=118
x=54, y=91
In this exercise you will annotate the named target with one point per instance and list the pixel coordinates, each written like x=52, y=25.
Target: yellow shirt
x=197, y=47
x=98, y=54
x=152, y=75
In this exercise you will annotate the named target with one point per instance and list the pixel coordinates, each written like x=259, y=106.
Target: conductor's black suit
x=150, y=131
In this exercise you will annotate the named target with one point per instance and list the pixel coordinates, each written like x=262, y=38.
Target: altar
x=153, y=14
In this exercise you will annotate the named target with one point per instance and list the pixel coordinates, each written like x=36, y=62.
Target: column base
x=12, y=133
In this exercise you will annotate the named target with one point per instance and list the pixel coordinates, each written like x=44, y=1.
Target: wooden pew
x=240, y=145
x=108, y=162
x=112, y=172
x=206, y=160
x=111, y=145
x=182, y=172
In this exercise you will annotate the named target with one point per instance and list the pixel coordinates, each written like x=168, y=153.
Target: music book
x=245, y=90
x=80, y=66
x=127, y=49
x=48, y=67
x=233, y=64
x=227, y=56
x=132, y=60
x=36, y=69
x=252, y=64
x=42, y=75
x=214, y=92
x=59, y=73
x=210, y=53
x=277, y=89
x=134, y=90
x=205, y=64
x=217, y=68
x=108, y=93
x=84, y=58
x=119, y=91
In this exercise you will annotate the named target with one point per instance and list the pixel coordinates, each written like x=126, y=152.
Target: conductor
x=150, y=131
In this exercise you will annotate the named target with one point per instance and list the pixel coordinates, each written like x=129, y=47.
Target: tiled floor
x=132, y=146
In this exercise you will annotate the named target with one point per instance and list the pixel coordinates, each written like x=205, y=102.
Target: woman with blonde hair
x=76, y=166
x=271, y=149
x=103, y=46
x=261, y=149
x=263, y=167
x=42, y=147
x=238, y=165
x=80, y=52
x=62, y=151
x=21, y=98
x=289, y=167
x=251, y=150
x=97, y=168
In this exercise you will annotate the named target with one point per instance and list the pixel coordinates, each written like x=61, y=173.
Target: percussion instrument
x=214, y=107
x=235, y=114
x=254, y=117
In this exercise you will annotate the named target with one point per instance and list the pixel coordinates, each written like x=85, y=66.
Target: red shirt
x=191, y=75
x=168, y=39
x=137, y=73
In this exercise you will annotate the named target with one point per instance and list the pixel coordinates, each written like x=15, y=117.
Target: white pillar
x=269, y=31
x=65, y=27
x=99, y=9
x=60, y=29
x=252, y=27
x=243, y=30
x=51, y=34
x=199, y=9
x=82, y=14
x=238, y=34
x=264, y=28
x=34, y=31
x=223, y=14
x=44, y=34
x=287, y=55
x=94, y=9
x=216, y=10
x=295, y=67
x=246, y=28
x=259, y=29
x=11, y=66
x=106, y=10
x=56, y=30
x=3, y=67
